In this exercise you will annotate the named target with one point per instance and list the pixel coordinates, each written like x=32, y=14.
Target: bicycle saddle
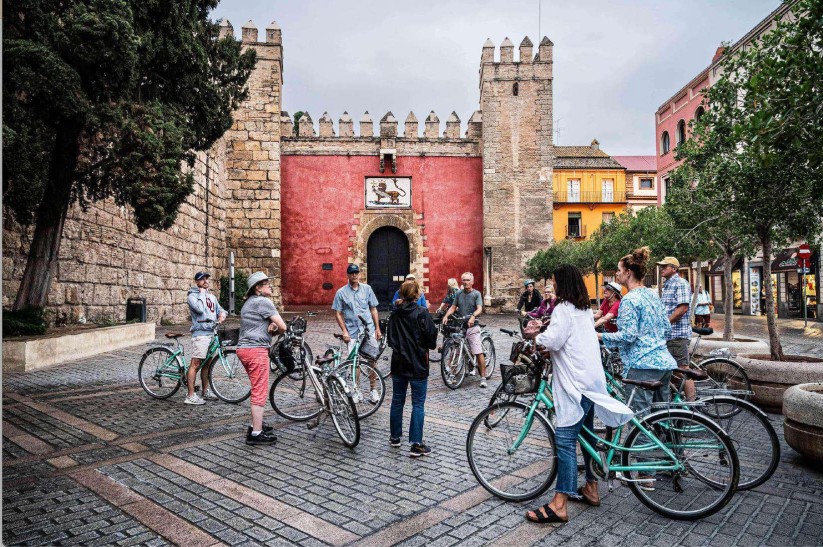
x=174, y=335
x=338, y=336
x=691, y=374
x=323, y=360
x=644, y=384
x=702, y=332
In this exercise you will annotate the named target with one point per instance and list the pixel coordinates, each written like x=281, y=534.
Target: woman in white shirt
x=579, y=388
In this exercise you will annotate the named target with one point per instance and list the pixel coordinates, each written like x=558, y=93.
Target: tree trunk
x=774, y=338
x=728, y=298
x=596, y=287
x=51, y=217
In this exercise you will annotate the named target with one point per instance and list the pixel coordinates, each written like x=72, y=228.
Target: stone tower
x=253, y=162
x=516, y=105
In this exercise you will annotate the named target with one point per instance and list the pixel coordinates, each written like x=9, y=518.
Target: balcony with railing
x=575, y=231
x=589, y=197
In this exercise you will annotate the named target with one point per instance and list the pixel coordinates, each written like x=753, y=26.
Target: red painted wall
x=321, y=194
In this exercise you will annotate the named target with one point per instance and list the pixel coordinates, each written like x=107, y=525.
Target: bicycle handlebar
x=506, y=331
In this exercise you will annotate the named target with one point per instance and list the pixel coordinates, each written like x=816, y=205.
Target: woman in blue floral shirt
x=641, y=332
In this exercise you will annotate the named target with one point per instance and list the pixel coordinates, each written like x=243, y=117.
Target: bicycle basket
x=298, y=326
x=228, y=336
x=370, y=349
x=520, y=378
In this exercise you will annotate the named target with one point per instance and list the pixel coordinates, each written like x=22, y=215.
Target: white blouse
x=575, y=351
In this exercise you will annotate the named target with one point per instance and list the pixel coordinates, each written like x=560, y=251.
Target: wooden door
x=387, y=256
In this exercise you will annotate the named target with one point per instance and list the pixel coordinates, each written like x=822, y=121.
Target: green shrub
x=241, y=280
x=24, y=322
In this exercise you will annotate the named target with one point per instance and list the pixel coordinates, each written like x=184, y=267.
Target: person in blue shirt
x=396, y=300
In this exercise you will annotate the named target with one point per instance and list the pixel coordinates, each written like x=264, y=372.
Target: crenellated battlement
x=529, y=65
x=387, y=128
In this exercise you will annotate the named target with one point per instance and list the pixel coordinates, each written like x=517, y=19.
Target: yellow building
x=589, y=188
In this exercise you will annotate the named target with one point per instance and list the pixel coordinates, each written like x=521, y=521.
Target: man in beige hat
x=677, y=297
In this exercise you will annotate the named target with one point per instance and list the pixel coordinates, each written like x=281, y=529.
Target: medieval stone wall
x=104, y=259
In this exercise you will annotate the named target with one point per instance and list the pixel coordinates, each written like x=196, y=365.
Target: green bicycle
x=368, y=385
x=677, y=462
x=162, y=370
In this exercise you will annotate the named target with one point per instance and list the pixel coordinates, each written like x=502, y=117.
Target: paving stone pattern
x=131, y=470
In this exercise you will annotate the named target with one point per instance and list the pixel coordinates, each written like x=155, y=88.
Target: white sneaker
x=194, y=399
x=209, y=395
x=357, y=397
x=483, y=382
x=473, y=371
x=374, y=397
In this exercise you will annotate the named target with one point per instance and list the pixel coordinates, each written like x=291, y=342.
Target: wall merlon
x=488, y=52
x=249, y=33
x=452, y=126
x=346, y=125
x=286, y=124
x=507, y=51
x=526, y=48
x=273, y=33
x=225, y=28
x=410, y=131
x=388, y=125
x=432, y=129
x=544, y=51
x=326, y=125
x=305, y=126
x=366, y=125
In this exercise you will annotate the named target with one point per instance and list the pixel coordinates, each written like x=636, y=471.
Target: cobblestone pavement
x=90, y=459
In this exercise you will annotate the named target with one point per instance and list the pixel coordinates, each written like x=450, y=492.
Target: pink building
x=642, y=184
x=673, y=116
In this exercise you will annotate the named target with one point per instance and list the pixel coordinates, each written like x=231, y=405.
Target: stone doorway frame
x=367, y=221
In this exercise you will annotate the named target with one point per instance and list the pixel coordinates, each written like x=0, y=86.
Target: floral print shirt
x=642, y=329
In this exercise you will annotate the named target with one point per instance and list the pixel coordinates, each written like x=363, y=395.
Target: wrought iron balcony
x=575, y=231
x=589, y=197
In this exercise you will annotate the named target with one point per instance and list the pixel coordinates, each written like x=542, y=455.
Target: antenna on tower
x=557, y=130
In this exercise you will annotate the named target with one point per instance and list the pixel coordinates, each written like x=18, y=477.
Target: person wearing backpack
x=412, y=334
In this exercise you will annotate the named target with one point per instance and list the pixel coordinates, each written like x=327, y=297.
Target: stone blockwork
x=253, y=162
x=104, y=259
x=516, y=102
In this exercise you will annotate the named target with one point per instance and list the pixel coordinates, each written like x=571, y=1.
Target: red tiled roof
x=637, y=163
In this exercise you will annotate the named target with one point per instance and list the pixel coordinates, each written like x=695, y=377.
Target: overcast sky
x=615, y=61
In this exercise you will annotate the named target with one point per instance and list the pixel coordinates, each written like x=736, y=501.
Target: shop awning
x=717, y=267
x=786, y=261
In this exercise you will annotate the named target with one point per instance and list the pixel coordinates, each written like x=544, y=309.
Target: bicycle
x=723, y=371
x=456, y=354
x=292, y=339
x=314, y=392
x=162, y=371
x=381, y=364
x=677, y=462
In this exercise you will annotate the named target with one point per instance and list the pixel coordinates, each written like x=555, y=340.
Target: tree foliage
x=758, y=146
x=107, y=99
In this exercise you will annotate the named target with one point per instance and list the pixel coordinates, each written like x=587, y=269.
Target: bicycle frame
x=169, y=368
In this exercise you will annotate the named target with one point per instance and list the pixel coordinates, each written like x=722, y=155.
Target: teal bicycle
x=162, y=370
x=677, y=462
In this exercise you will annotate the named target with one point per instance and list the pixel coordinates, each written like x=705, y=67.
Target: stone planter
x=770, y=379
x=740, y=345
x=803, y=429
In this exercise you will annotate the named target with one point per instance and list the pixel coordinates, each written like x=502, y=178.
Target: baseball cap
x=410, y=277
x=200, y=275
x=353, y=268
x=669, y=261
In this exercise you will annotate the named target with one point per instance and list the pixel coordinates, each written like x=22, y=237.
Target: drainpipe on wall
x=487, y=276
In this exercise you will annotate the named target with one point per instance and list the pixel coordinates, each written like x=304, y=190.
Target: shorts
x=473, y=339
x=679, y=348
x=200, y=346
x=371, y=340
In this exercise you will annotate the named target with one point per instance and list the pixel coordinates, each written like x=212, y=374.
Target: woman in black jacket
x=412, y=334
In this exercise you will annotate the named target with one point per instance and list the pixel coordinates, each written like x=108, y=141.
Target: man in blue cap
x=353, y=301
x=203, y=307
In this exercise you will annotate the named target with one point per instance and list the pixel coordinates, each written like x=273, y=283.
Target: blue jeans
x=566, y=446
x=643, y=398
x=398, y=400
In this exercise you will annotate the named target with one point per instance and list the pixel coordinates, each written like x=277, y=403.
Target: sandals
x=540, y=519
x=581, y=497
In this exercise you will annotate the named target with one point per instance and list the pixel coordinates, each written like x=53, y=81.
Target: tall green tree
x=761, y=136
x=108, y=99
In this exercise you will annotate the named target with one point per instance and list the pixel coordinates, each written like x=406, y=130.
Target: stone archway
x=366, y=222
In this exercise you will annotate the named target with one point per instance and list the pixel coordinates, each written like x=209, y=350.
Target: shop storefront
x=797, y=291
x=717, y=287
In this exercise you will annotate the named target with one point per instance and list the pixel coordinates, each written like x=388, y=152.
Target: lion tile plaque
x=388, y=192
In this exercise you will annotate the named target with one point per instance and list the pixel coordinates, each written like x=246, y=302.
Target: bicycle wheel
x=754, y=438
x=343, y=412
x=159, y=372
x=295, y=399
x=228, y=377
x=709, y=474
x=361, y=387
x=488, y=351
x=452, y=366
x=724, y=374
x=514, y=475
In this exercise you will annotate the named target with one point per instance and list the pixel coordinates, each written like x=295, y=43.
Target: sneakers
x=266, y=437
x=472, y=371
x=374, y=397
x=394, y=442
x=266, y=429
x=483, y=382
x=357, y=397
x=194, y=399
x=419, y=449
x=209, y=395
